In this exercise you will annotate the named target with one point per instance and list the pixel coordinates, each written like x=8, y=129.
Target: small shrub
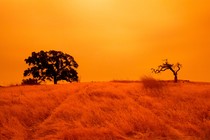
x=30, y=81
x=153, y=86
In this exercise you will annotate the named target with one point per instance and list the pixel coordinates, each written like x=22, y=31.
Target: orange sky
x=110, y=39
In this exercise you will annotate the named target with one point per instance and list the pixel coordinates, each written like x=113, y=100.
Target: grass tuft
x=153, y=86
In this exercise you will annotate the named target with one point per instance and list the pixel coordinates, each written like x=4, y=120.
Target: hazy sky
x=110, y=39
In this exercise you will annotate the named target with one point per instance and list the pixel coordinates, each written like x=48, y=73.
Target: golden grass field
x=106, y=111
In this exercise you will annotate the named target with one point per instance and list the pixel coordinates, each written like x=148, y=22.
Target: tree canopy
x=51, y=65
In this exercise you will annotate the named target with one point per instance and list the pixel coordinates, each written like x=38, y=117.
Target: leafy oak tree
x=174, y=68
x=51, y=65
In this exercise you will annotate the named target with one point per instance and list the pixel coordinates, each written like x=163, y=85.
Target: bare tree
x=174, y=68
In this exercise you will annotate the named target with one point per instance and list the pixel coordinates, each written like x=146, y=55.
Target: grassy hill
x=106, y=110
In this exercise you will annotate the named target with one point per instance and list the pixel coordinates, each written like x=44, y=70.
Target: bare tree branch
x=167, y=66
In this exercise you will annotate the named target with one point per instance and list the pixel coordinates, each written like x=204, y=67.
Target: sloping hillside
x=106, y=110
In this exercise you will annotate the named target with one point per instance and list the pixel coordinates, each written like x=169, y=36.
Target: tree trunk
x=175, y=78
x=55, y=80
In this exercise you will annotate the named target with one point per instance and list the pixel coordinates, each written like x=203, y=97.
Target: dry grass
x=109, y=110
x=153, y=86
